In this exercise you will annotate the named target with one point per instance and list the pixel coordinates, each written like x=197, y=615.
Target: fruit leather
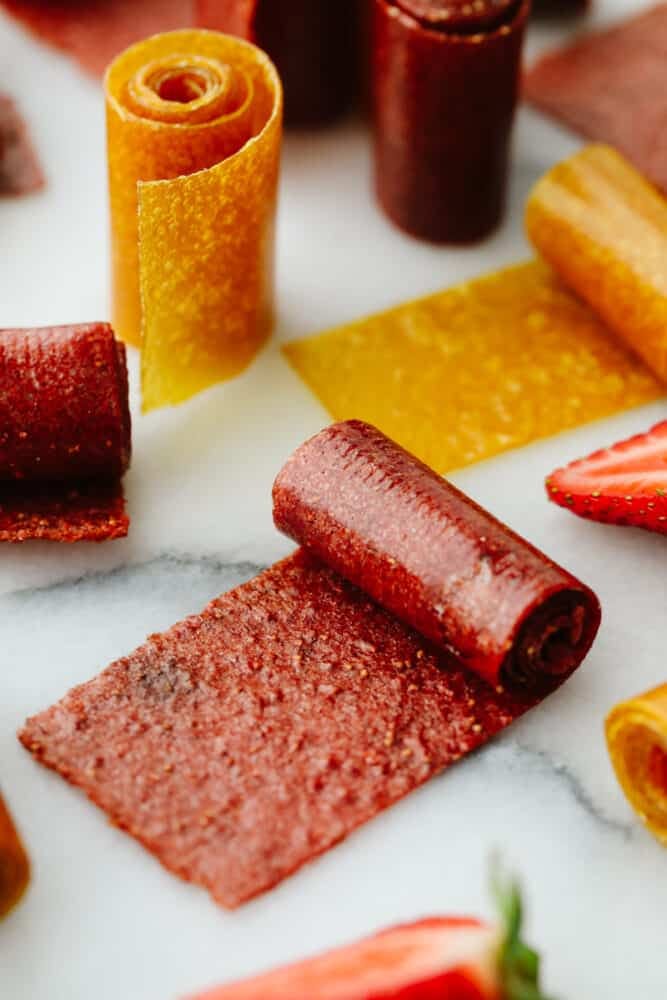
x=65, y=433
x=445, y=79
x=20, y=171
x=314, y=44
x=506, y=345
x=603, y=229
x=194, y=122
x=14, y=864
x=637, y=740
x=611, y=87
x=93, y=32
x=247, y=740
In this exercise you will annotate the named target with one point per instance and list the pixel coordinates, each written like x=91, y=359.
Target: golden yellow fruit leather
x=637, y=741
x=194, y=122
x=470, y=372
x=603, y=228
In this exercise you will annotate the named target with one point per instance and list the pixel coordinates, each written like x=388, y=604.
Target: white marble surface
x=102, y=918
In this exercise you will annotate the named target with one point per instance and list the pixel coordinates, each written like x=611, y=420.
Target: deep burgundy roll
x=314, y=44
x=434, y=558
x=64, y=412
x=445, y=82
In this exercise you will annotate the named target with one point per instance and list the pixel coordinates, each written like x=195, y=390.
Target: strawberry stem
x=519, y=964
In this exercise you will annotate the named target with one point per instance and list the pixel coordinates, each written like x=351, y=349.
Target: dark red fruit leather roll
x=245, y=741
x=64, y=432
x=314, y=44
x=430, y=555
x=445, y=81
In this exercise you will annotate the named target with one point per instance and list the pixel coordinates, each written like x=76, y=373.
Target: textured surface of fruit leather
x=410, y=629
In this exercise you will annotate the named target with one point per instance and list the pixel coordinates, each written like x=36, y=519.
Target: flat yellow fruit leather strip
x=637, y=741
x=194, y=122
x=470, y=372
x=603, y=228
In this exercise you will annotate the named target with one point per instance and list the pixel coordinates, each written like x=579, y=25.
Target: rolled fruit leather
x=637, y=740
x=427, y=553
x=14, y=864
x=603, y=229
x=445, y=81
x=314, y=44
x=194, y=122
x=65, y=433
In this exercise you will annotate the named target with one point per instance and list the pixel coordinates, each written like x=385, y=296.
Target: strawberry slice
x=625, y=484
x=442, y=958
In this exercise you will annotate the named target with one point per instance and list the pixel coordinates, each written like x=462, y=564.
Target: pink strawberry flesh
x=437, y=959
x=625, y=484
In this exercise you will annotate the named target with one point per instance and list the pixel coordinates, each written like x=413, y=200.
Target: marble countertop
x=102, y=918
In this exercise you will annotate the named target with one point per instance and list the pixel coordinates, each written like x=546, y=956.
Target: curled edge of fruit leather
x=636, y=733
x=14, y=864
x=194, y=123
x=434, y=558
x=603, y=229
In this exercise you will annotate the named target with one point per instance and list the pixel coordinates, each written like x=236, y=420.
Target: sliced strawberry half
x=625, y=484
x=443, y=958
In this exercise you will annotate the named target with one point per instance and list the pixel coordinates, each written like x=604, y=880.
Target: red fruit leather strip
x=64, y=433
x=314, y=44
x=445, y=79
x=596, y=85
x=20, y=172
x=247, y=740
x=94, y=31
x=430, y=555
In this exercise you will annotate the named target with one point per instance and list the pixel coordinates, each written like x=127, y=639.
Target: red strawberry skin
x=436, y=959
x=625, y=484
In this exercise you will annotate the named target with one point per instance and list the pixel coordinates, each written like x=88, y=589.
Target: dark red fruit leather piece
x=611, y=86
x=430, y=555
x=314, y=44
x=443, y=107
x=64, y=433
x=20, y=172
x=249, y=739
x=94, y=31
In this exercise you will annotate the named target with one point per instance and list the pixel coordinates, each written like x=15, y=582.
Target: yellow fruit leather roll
x=603, y=229
x=194, y=122
x=477, y=369
x=637, y=741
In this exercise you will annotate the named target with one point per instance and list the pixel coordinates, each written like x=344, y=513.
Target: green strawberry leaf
x=519, y=964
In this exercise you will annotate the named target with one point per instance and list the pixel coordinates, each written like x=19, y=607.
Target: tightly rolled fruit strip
x=603, y=229
x=20, y=171
x=506, y=345
x=194, y=128
x=313, y=43
x=431, y=556
x=637, y=741
x=65, y=434
x=247, y=740
x=445, y=80
x=14, y=864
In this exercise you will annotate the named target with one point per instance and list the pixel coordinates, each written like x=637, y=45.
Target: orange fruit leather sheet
x=637, y=741
x=475, y=370
x=604, y=230
x=194, y=122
